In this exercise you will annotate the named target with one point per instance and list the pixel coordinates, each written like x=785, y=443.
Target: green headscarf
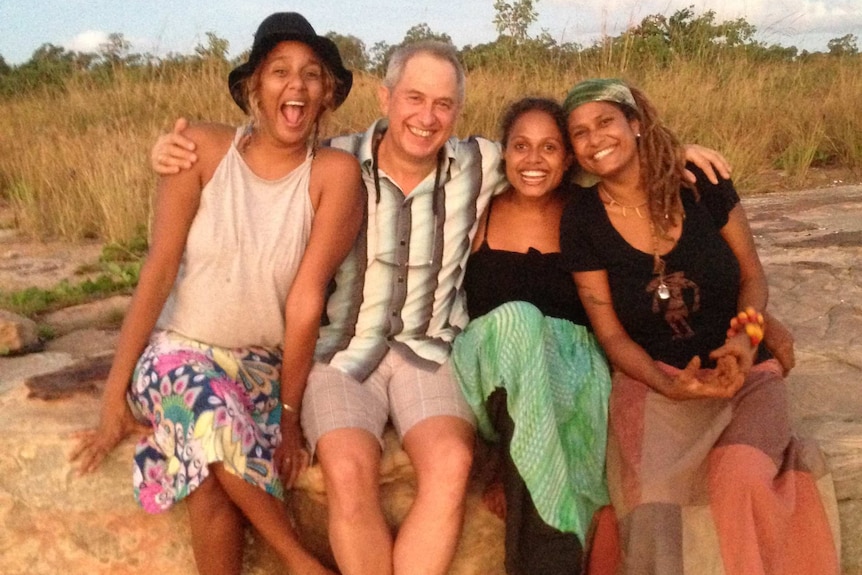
x=599, y=90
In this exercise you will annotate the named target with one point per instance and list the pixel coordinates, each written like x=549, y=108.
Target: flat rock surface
x=27, y=263
x=811, y=245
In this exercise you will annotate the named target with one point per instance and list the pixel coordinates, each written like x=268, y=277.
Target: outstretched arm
x=177, y=200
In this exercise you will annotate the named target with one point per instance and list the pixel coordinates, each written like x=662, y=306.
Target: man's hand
x=707, y=160
x=173, y=152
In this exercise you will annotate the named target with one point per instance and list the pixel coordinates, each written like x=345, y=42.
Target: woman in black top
x=704, y=473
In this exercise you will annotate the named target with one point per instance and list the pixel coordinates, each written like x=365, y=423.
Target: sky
x=160, y=27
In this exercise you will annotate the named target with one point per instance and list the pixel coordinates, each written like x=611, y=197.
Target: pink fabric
x=604, y=550
x=713, y=486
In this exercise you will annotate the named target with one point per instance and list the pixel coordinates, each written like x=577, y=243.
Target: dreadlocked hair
x=662, y=164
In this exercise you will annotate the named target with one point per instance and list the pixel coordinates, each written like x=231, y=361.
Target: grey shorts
x=396, y=390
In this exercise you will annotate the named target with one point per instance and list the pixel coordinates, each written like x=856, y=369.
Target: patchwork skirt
x=714, y=486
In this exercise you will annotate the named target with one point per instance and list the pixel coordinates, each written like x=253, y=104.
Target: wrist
x=113, y=403
x=288, y=412
x=664, y=384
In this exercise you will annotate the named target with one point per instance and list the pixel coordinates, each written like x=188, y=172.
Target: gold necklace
x=613, y=202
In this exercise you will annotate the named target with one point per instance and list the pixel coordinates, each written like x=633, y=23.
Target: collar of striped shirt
x=401, y=285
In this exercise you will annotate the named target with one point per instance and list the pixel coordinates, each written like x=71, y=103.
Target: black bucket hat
x=287, y=26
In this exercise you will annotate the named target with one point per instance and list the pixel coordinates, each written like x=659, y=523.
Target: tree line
x=656, y=40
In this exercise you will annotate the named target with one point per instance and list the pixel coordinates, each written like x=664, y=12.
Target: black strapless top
x=494, y=277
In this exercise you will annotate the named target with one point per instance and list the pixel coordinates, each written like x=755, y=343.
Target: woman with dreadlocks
x=704, y=473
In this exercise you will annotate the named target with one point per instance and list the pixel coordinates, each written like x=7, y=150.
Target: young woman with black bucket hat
x=216, y=346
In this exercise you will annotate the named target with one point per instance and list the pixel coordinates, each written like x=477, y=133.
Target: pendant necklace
x=612, y=202
x=662, y=290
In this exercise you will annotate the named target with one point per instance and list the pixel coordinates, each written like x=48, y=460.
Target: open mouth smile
x=419, y=132
x=602, y=153
x=293, y=111
x=533, y=175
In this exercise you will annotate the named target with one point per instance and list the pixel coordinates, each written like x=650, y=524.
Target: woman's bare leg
x=270, y=517
x=217, y=527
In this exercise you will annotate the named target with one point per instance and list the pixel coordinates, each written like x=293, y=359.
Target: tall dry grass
x=76, y=165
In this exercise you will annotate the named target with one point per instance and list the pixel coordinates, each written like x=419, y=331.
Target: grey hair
x=440, y=50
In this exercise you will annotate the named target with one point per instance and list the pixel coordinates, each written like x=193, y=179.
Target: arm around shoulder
x=711, y=162
x=175, y=151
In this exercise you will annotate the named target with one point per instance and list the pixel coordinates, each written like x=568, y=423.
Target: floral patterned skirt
x=205, y=405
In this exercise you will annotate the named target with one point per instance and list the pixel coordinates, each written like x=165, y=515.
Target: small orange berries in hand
x=749, y=320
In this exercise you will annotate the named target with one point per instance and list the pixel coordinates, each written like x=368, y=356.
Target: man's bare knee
x=441, y=450
x=350, y=460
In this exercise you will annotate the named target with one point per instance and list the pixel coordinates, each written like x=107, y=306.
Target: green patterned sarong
x=557, y=383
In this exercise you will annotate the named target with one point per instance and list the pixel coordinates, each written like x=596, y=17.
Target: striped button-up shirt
x=400, y=287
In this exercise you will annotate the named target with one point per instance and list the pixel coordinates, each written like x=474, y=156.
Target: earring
x=638, y=135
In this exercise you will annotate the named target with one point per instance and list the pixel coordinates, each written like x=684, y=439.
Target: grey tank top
x=241, y=256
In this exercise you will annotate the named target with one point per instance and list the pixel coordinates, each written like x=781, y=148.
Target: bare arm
x=754, y=290
x=779, y=341
x=176, y=204
x=338, y=216
x=626, y=355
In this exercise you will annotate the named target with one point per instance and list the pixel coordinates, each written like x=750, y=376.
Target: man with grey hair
x=383, y=348
x=397, y=306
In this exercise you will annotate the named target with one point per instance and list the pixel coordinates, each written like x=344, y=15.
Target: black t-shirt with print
x=701, y=271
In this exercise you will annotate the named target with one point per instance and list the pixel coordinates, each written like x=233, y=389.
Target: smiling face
x=422, y=109
x=535, y=154
x=603, y=139
x=290, y=93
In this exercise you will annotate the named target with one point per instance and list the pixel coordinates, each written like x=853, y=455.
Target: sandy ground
x=27, y=262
